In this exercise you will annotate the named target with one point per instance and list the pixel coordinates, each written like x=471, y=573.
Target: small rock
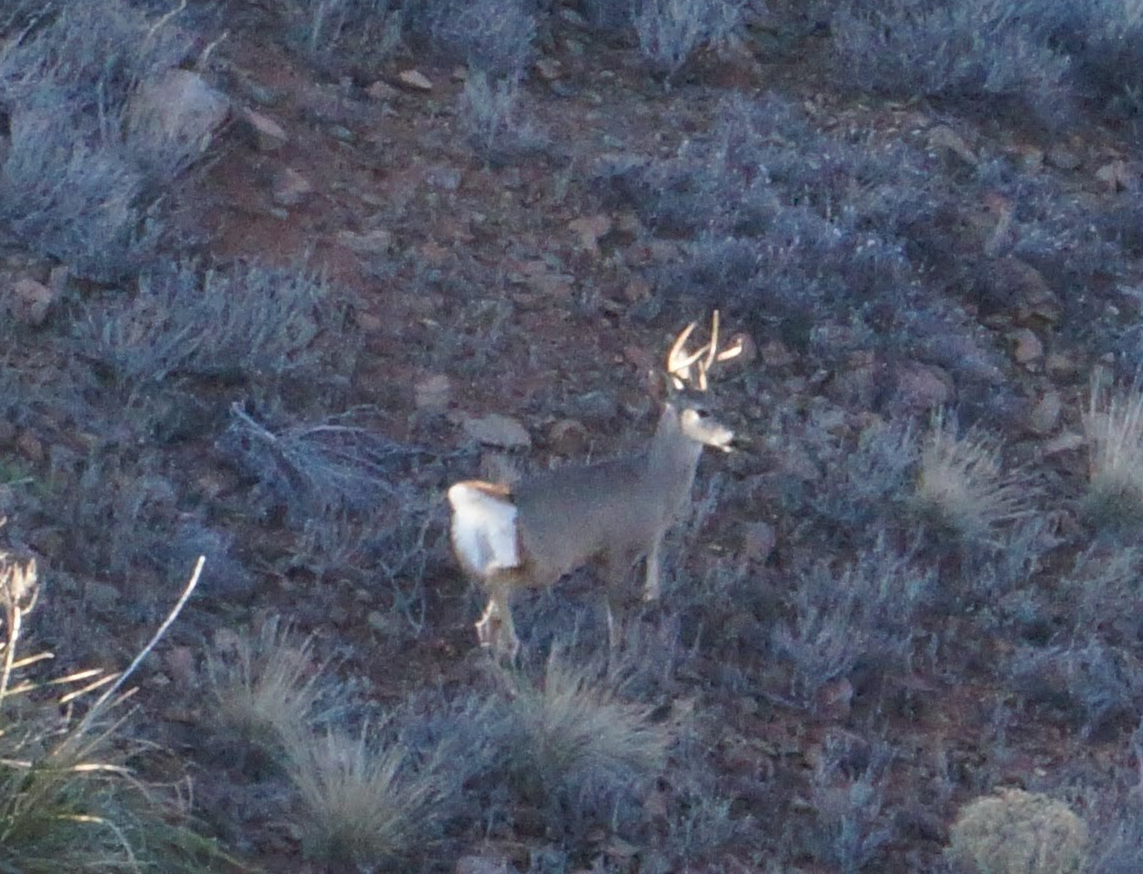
x=1059, y=365
x=568, y=437
x=375, y=242
x=1043, y=310
x=158, y=681
x=444, y=177
x=101, y=596
x=269, y=136
x=497, y=430
x=290, y=187
x=552, y=286
x=181, y=417
x=1028, y=346
x=178, y=107
x=179, y=663
x=381, y=91
x=482, y=865
x=215, y=482
x=414, y=80
x=433, y=393
x=533, y=267
x=1063, y=158
x=30, y=446
x=1045, y=416
x=855, y=386
x=596, y=406
x=827, y=417
x=796, y=462
x=834, y=699
x=570, y=16
x=1131, y=297
x=1030, y=157
x=1117, y=176
x=637, y=289
x=776, y=354
x=758, y=540
x=922, y=387
x=548, y=69
x=1065, y=442
x=944, y=138
x=1013, y=283
x=641, y=358
x=591, y=229
x=628, y=223
x=262, y=94
x=433, y=253
x=30, y=301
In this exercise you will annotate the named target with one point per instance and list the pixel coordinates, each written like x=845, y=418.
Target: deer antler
x=679, y=361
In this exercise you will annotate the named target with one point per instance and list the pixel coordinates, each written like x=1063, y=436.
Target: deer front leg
x=615, y=570
x=614, y=628
x=653, y=583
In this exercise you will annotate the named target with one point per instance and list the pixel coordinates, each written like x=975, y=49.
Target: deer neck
x=672, y=457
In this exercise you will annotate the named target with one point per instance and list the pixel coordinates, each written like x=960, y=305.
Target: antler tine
x=712, y=346
x=710, y=350
x=677, y=360
x=732, y=351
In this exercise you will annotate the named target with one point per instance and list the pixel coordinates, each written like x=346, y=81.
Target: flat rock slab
x=497, y=430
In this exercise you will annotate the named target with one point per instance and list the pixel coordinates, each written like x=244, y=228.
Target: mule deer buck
x=608, y=514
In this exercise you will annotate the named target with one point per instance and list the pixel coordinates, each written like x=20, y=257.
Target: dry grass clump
x=1017, y=832
x=363, y=799
x=266, y=685
x=576, y=739
x=68, y=800
x=245, y=321
x=1113, y=426
x=962, y=488
x=367, y=801
x=82, y=185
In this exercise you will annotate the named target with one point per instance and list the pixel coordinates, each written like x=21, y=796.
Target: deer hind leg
x=489, y=624
x=495, y=629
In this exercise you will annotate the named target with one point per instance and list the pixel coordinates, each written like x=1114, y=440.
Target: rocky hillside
x=274, y=274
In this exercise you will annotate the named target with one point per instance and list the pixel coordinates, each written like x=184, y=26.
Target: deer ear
x=659, y=384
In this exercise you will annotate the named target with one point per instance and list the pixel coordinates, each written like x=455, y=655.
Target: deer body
x=608, y=515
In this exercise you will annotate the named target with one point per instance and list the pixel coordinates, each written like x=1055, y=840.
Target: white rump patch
x=483, y=530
